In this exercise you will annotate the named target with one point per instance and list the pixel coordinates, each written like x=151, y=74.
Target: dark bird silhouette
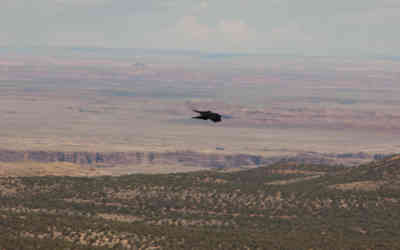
x=207, y=115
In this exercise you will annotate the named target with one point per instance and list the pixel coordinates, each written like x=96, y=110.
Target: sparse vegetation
x=65, y=118
x=208, y=210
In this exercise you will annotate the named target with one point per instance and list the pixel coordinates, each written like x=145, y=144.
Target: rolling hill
x=286, y=205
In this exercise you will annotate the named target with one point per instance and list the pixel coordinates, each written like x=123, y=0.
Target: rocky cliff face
x=183, y=158
x=113, y=158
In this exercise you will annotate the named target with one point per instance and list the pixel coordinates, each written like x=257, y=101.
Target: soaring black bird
x=207, y=115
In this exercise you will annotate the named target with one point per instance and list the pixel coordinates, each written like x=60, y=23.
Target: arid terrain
x=280, y=206
x=272, y=106
x=98, y=151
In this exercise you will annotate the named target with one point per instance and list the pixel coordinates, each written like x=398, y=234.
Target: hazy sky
x=312, y=27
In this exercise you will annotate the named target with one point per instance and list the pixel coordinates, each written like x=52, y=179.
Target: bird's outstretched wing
x=200, y=117
x=202, y=112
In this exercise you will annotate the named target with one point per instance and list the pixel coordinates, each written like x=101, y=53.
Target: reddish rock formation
x=112, y=158
x=185, y=158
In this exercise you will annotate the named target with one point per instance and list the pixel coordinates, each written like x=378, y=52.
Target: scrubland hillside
x=281, y=206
